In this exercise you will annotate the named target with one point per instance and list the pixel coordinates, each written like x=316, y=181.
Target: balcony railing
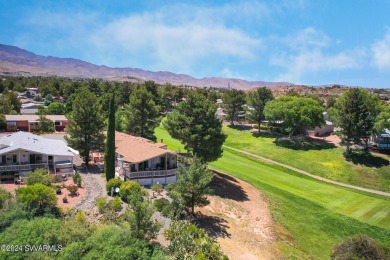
x=22, y=167
x=149, y=174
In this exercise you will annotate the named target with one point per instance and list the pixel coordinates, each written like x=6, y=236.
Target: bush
x=39, y=176
x=4, y=197
x=37, y=198
x=160, y=204
x=105, y=206
x=72, y=189
x=113, y=183
x=157, y=188
x=358, y=247
x=65, y=199
x=57, y=179
x=57, y=188
x=79, y=182
x=76, y=177
x=130, y=190
x=116, y=204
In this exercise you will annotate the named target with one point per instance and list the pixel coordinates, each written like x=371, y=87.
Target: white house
x=22, y=152
x=141, y=160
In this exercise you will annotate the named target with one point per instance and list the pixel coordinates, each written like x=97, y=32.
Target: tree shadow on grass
x=213, y=225
x=304, y=143
x=225, y=186
x=367, y=159
x=241, y=127
x=266, y=134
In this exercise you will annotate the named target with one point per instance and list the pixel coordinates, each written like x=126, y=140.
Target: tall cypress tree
x=109, y=154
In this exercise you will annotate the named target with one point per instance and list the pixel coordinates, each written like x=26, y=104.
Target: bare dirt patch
x=238, y=217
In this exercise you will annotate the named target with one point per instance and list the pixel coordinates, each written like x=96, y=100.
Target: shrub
x=159, y=204
x=130, y=190
x=76, y=177
x=157, y=188
x=65, y=199
x=101, y=204
x=72, y=189
x=39, y=176
x=105, y=206
x=57, y=188
x=116, y=204
x=358, y=247
x=57, y=179
x=79, y=182
x=37, y=198
x=113, y=183
x=4, y=197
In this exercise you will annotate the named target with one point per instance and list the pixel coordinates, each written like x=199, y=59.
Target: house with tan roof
x=141, y=160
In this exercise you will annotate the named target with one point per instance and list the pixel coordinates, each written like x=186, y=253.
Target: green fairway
x=313, y=215
x=322, y=160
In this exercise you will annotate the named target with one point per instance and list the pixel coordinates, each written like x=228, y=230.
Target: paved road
x=311, y=175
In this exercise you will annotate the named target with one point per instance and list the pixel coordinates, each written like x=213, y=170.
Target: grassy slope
x=313, y=215
x=328, y=163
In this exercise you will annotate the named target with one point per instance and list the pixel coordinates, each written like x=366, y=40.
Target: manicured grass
x=312, y=216
x=370, y=172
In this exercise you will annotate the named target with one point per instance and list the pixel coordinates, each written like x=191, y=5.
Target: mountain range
x=17, y=61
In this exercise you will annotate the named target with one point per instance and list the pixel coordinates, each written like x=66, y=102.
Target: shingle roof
x=34, y=117
x=138, y=149
x=34, y=143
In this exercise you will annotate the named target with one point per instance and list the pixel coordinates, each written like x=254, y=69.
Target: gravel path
x=311, y=175
x=93, y=189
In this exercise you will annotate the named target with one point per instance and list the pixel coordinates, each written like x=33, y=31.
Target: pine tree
x=109, y=154
x=256, y=101
x=86, y=124
x=142, y=114
x=195, y=124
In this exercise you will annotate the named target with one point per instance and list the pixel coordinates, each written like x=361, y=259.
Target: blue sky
x=304, y=42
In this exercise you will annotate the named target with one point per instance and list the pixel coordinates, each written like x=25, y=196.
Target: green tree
x=14, y=100
x=86, y=125
x=256, y=103
x=142, y=114
x=37, y=198
x=195, y=124
x=45, y=125
x=56, y=108
x=233, y=101
x=295, y=112
x=39, y=176
x=3, y=122
x=139, y=217
x=193, y=185
x=109, y=153
x=187, y=241
x=352, y=114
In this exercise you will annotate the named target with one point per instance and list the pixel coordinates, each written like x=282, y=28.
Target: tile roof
x=34, y=143
x=137, y=149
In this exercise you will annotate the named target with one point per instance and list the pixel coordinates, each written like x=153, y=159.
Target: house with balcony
x=141, y=160
x=23, y=152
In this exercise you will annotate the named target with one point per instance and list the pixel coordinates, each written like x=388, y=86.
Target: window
x=57, y=123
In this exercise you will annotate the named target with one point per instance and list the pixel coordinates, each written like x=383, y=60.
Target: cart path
x=382, y=193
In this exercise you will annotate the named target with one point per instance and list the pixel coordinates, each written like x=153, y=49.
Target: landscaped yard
x=312, y=216
x=317, y=158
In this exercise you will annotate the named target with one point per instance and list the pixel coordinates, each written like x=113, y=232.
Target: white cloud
x=307, y=56
x=381, y=52
x=173, y=45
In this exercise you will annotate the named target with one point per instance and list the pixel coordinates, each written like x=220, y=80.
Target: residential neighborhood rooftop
x=34, y=117
x=137, y=149
x=34, y=143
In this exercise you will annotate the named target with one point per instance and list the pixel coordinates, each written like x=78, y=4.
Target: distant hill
x=17, y=61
